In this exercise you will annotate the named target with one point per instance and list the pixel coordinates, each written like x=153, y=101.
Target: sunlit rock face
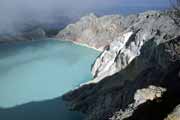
x=95, y=31
x=152, y=92
x=141, y=96
x=150, y=26
x=105, y=65
x=146, y=53
x=175, y=115
x=120, y=37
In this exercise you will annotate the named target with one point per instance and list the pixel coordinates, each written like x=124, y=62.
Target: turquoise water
x=37, y=73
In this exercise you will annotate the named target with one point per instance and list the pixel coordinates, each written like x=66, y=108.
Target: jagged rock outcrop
x=148, y=26
x=152, y=92
x=175, y=115
x=141, y=96
x=146, y=53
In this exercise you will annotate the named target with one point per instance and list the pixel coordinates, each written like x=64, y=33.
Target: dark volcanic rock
x=155, y=66
x=155, y=43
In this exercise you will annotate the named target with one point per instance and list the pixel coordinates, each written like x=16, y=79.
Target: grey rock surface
x=175, y=115
x=97, y=32
x=155, y=66
x=152, y=92
x=121, y=37
x=141, y=96
x=146, y=52
x=122, y=50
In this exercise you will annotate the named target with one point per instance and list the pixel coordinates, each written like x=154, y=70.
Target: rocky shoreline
x=81, y=44
x=137, y=75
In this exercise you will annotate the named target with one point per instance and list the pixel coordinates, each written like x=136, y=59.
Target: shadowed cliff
x=54, y=109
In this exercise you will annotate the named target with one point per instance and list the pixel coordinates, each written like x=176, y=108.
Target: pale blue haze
x=16, y=13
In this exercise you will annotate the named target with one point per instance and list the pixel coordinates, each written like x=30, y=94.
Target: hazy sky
x=12, y=11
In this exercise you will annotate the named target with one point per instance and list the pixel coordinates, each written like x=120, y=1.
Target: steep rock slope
x=175, y=115
x=95, y=31
x=121, y=37
x=145, y=53
x=157, y=65
x=150, y=26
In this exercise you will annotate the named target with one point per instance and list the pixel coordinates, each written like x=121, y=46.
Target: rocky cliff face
x=175, y=115
x=141, y=96
x=148, y=27
x=97, y=32
x=121, y=37
x=137, y=75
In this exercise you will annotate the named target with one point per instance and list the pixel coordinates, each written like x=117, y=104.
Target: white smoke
x=14, y=12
